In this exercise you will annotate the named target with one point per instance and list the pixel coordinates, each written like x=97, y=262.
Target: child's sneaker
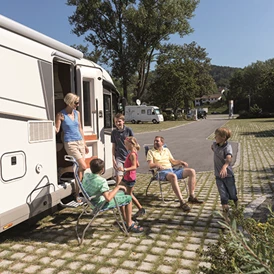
x=139, y=213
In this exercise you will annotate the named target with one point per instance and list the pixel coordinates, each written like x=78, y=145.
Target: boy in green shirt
x=95, y=184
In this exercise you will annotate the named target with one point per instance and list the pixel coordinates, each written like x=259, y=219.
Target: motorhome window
x=157, y=111
x=143, y=111
x=86, y=100
x=149, y=112
x=107, y=111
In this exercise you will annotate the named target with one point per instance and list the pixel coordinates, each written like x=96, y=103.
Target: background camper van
x=36, y=74
x=142, y=113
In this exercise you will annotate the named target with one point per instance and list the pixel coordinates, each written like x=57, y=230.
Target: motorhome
x=36, y=73
x=143, y=113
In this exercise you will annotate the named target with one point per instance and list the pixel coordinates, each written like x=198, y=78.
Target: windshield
x=157, y=111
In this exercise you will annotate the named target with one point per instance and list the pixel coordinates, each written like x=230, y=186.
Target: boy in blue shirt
x=223, y=171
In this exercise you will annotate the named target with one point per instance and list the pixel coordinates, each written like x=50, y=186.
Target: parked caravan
x=36, y=73
x=142, y=113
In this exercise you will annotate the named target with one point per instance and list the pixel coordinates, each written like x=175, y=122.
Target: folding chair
x=93, y=210
x=154, y=173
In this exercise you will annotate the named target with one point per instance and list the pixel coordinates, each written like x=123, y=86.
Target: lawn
x=149, y=127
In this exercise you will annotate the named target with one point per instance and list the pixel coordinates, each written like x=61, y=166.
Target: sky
x=234, y=33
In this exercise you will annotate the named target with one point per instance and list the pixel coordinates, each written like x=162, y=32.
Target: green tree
x=127, y=32
x=253, y=85
x=182, y=73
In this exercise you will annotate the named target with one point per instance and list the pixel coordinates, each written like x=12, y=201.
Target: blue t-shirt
x=71, y=127
x=118, y=137
x=220, y=153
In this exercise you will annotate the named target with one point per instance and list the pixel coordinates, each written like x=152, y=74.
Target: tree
x=128, y=32
x=182, y=73
x=253, y=85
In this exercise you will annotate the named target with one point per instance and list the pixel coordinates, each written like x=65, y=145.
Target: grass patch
x=150, y=127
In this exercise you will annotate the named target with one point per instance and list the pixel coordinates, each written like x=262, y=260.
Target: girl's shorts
x=129, y=183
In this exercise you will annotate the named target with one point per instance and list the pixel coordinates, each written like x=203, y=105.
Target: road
x=188, y=143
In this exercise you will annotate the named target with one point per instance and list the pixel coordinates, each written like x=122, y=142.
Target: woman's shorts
x=129, y=183
x=121, y=198
x=163, y=173
x=75, y=149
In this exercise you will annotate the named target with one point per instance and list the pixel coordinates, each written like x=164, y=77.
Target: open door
x=90, y=90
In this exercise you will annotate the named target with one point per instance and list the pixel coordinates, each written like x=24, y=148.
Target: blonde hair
x=133, y=141
x=120, y=116
x=70, y=98
x=224, y=132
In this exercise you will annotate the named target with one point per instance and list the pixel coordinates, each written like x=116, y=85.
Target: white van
x=142, y=113
x=36, y=73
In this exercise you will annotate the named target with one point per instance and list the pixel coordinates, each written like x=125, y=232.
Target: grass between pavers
x=171, y=237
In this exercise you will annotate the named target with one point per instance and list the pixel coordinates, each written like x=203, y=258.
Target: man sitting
x=160, y=157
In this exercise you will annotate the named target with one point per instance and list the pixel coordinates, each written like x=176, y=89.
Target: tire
x=133, y=121
x=154, y=121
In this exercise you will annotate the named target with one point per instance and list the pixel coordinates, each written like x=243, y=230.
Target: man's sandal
x=135, y=228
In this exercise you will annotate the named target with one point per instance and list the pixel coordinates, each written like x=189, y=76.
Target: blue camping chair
x=91, y=209
x=154, y=173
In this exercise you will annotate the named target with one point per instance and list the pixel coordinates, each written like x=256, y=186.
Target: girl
x=129, y=169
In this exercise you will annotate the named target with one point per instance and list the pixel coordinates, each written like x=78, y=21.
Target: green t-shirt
x=94, y=184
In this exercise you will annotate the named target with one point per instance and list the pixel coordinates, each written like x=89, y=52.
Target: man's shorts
x=163, y=173
x=119, y=163
x=75, y=149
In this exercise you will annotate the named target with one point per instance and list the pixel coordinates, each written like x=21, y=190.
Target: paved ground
x=172, y=237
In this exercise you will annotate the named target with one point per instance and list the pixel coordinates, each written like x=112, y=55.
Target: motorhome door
x=90, y=90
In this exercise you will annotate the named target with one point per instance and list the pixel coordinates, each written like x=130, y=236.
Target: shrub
x=246, y=246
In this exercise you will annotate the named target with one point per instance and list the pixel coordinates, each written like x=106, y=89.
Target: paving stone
x=48, y=271
x=4, y=253
x=190, y=254
x=164, y=269
x=145, y=266
x=18, y=255
x=88, y=267
x=74, y=265
x=143, y=248
x=45, y=260
x=18, y=266
x=30, y=258
x=58, y=262
x=4, y=263
x=129, y=264
x=32, y=269
x=173, y=252
x=123, y=271
x=151, y=258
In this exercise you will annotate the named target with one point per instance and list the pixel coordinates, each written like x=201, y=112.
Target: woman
x=74, y=142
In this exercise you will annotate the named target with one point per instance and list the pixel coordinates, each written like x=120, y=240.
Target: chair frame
x=155, y=172
x=92, y=210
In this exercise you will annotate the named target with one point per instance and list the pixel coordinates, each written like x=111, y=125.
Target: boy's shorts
x=129, y=183
x=75, y=149
x=161, y=175
x=121, y=198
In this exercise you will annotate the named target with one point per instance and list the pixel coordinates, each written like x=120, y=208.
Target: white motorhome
x=143, y=113
x=36, y=73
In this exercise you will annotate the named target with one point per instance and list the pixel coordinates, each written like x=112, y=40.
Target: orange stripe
x=90, y=137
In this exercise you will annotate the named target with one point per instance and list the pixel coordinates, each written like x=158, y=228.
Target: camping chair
x=90, y=209
x=154, y=173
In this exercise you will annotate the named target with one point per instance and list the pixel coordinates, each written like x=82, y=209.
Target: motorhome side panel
x=28, y=153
